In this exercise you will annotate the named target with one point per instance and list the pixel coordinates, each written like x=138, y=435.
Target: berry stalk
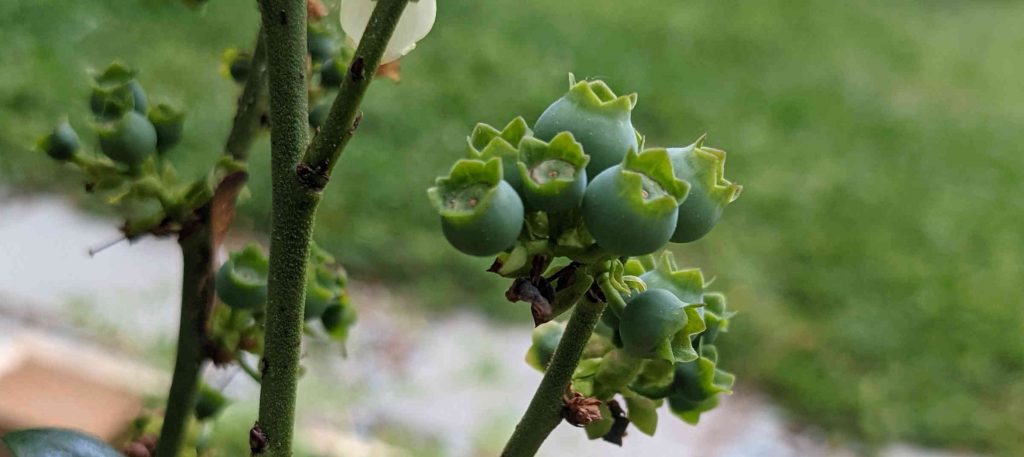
x=545, y=410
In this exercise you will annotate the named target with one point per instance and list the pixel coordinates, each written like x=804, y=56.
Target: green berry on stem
x=116, y=91
x=319, y=42
x=545, y=339
x=649, y=320
x=597, y=118
x=169, y=124
x=209, y=403
x=129, y=140
x=554, y=175
x=139, y=97
x=710, y=192
x=631, y=209
x=332, y=72
x=318, y=115
x=323, y=289
x=241, y=282
x=697, y=384
x=487, y=142
x=481, y=214
x=338, y=320
x=236, y=64
x=62, y=143
x=716, y=316
x=111, y=102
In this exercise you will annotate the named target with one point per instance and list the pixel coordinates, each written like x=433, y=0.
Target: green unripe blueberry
x=141, y=102
x=631, y=209
x=241, y=282
x=597, y=118
x=318, y=115
x=716, y=316
x=480, y=213
x=116, y=91
x=338, y=319
x=239, y=66
x=325, y=283
x=553, y=175
x=486, y=142
x=545, y=340
x=111, y=102
x=710, y=192
x=129, y=140
x=62, y=143
x=322, y=291
x=319, y=43
x=332, y=73
x=169, y=124
x=649, y=320
x=209, y=402
x=696, y=385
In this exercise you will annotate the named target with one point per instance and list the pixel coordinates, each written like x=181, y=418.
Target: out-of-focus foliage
x=877, y=250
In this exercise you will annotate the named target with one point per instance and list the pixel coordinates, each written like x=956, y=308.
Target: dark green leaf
x=56, y=442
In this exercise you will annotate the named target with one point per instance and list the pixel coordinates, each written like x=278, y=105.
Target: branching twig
x=344, y=117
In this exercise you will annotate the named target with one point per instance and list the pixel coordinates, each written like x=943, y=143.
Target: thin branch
x=197, y=246
x=196, y=296
x=248, y=369
x=545, y=410
x=252, y=104
x=344, y=117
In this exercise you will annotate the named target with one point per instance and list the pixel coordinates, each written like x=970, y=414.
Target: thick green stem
x=294, y=206
x=545, y=410
x=196, y=297
x=294, y=198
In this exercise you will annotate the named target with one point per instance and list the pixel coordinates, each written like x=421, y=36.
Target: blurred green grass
x=875, y=254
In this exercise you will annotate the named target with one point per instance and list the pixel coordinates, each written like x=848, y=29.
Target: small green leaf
x=643, y=413
x=56, y=442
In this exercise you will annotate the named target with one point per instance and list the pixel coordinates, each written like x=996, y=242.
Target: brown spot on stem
x=257, y=439
x=356, y=70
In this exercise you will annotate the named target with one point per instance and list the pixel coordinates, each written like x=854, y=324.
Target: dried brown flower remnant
x=390, y=70
x=579, y=410
x=316, y=10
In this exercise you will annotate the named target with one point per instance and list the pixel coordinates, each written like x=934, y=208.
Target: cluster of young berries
x=650, y=348
x=241, y=284
x=132, y=172
x=574, y=209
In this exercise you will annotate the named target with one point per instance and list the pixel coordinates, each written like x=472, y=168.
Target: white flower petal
x=415, y=23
